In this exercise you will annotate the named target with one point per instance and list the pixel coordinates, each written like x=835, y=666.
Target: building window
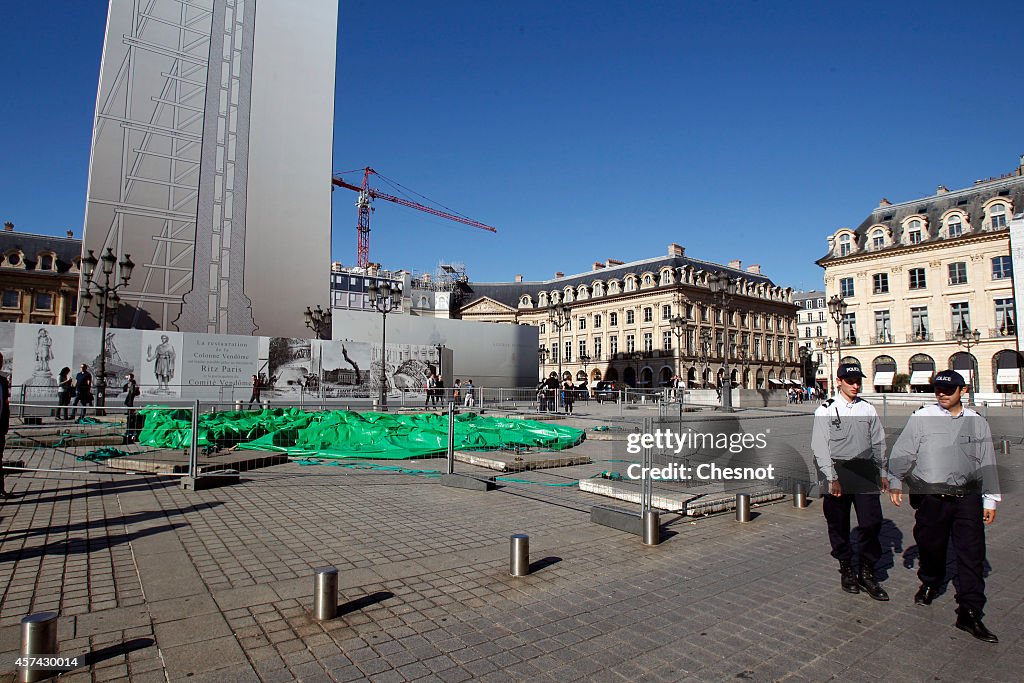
x=917, y=278
x=954, y=227
x=630, y=317
x=666, y=312
x=997, y=216
x=568, y=350
x=45, y=262
x=613, y=319
x=919, y=330
x=14, y=258
x=648, y=341
x=630, y=343
x=818, y=334
x=597, y=348
x=807, y=333
x=11, y=298
x=583, y=323
x=880, y=283
x=844, y=245
x=666, y=341
x=1006, y=323
x=781, y=348
x=914, y=232
x=1002, y=268
x=554, y=352
x=597, y=321
x=757, y=348
x=648, y=314
x=958, y=273
x=543, y=328
x=583, y=348
x=883, y=328
x=877, y=239
x=821, y=303
x=44, y=302
x=821, y=315
x=849, y=329
x=961, y=318
x=846, y=287
x=613, y=344
x=756, y=320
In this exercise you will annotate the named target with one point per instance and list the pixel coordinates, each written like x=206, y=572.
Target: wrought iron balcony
x=923, y=336
x=1004, y=331
x=883, y=338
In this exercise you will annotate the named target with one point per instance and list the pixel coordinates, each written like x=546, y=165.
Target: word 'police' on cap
x=949, y=378
x=849, y=370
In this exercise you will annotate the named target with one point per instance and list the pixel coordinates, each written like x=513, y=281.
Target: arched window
x=597, y=289
x=45, y=262
x=845, y=244
x=954, y=226
x=967, y=365
x=997, y=216
x=878, y=239
x=666, y=277
x=1007, y=365
x=922, y=367
x=884, y=372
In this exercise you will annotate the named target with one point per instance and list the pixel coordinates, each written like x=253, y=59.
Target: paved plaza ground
x=153, y=583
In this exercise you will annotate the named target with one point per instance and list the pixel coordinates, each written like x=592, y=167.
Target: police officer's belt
x=920, y=486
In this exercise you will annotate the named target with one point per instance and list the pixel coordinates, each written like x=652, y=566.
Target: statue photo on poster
x=160, y=372
x=41, y=350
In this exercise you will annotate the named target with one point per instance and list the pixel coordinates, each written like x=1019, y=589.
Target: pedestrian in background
x=254, y=397
x=5, y=422
x=470, y=392
x=64, y=389
x=945, y=457
x=457, y=392
x=849, y=448
x=131, y=390
x=83, y=389
x=567, y=395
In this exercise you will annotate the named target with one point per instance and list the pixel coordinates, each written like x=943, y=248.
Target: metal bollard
x=325, y=594
x=266, y=405
x=651, y=527
x=799, y=495
x=1004, y=447
x=742, y=507
x=519, y=555
x=238, y=405
x=38, y=639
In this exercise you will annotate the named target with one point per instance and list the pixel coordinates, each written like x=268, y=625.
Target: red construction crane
x=366, y=196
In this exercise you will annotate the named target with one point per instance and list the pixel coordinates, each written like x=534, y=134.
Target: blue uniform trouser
x=940, y=519
x=869, y=524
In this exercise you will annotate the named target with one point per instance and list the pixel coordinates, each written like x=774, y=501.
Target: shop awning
x=921, y=378
x=775, y=381
x=883, y=379
x=1008, y=376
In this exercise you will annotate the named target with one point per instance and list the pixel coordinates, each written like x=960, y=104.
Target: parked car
x=608, y=391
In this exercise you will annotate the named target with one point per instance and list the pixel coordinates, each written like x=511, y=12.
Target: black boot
x=867, y=581
x=925, y=595
x=968, y=619
x=847, y=577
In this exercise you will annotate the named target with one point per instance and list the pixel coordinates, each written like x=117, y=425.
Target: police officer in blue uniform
x=849, y=447
x=945, y=457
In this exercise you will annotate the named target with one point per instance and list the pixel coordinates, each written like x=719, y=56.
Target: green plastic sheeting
x=347, y=434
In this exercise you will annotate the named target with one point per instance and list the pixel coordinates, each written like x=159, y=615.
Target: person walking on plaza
x=131, y=390
x=849, y=448
x=64, y=388
x=254, y=397
x=945, y=457
x=568, y=389
x=5, y=423
x=470, y=392
x=550, y=391
x=457, y=392
x=83, y=390
x=439, y=397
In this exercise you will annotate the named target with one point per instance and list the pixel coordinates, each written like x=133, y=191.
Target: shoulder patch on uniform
x=829, y=402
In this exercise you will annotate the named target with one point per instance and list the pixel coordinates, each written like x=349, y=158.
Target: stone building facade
x=812, y=321
x=38, y=277
x=619, y=323
x=921, y=277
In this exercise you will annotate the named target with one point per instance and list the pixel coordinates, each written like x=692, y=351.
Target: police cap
x=949, y=378
x=849, y=370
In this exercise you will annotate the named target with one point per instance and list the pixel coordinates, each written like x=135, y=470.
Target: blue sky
x=593, y=130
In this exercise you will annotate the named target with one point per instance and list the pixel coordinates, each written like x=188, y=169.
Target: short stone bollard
x=742, y=507
x=519, y=555
x=1004, y=447
x=238, y=405
x=38, y=639
x=651, y=525
x=799, y=495
x=325, y=594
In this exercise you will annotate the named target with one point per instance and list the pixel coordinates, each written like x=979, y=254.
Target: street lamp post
x=680, y=326
x=542, y=354
x=705, y=356
x=741, y=355
x=107, y=301
x=837, y=310
x=559, y=316
x=805, y=355
x=724, y=287
x=385, y=298
x=319, y=321
x=585, y=360
x=968, y=339
x=828, y=345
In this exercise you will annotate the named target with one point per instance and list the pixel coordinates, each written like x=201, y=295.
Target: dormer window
x=666, y=277
x=648, y=281
x=914, y=232
x=14, y=259
x=954, y=226
x=46, y=262
x=997, y=216
x=597, y=289
x=845, y=246
x=630, y=284
x=878, y=239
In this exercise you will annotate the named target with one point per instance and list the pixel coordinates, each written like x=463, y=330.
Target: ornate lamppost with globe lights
x=107, y=301
x=384, y=299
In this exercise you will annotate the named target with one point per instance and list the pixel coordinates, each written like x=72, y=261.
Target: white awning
x=775, y=381
x=921, y=378
x=1008, y=376
x=966, y=374
x=883, y=379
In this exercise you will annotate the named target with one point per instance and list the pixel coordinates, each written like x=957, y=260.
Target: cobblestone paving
x=159, y=584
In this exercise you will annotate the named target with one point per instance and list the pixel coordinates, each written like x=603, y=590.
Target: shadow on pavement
x=365, y=601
